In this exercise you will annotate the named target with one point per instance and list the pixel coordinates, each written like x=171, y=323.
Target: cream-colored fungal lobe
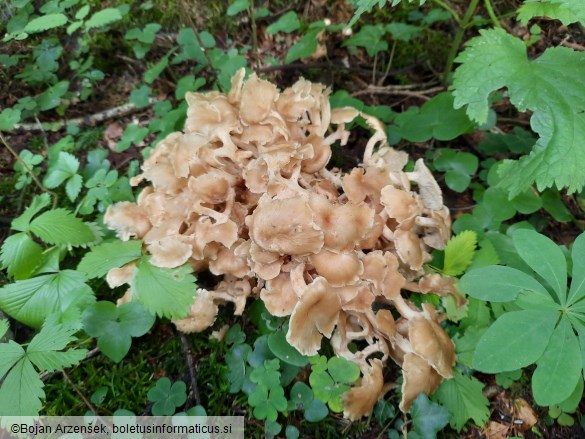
x=245, y=193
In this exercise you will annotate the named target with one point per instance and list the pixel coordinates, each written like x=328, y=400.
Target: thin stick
x=29, y=171
x=80, y=393
x=254, y=35
x=191, y=365
x=381, y=81
x=422, y=94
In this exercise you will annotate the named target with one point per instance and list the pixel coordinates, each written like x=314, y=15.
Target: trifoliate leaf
x=65, y=167
x=427, y=417
x=567, y=11
x=167, y=397
x=165, y=292
x=115, y=326
x=103, y=17
x=31, y=301
x=551, y=86
x=20, y=255
x=60, y=227
x=464, y=399
x=102, y=258
x=22, y=389
x=37, y=204
x=45, y=22
x=459, y=253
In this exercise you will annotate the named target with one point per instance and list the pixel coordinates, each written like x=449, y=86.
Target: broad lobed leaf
x=551, y=86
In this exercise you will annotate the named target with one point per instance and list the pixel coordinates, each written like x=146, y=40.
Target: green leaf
x=315, y=411
x=65, y=167
x=464, y=399
x=427, y=417
x=236, y=363
x=284, y=351
x=22, y=389
x=102, y=258
x=499, y=284
x=4, y=327
x=550, y=86
x=60, y=227
x=31, y=301
x=237, y=6
x=486, y=255
x=82, y=12
x=115, y=326
x=38, y=203
x=133, y=134
x=46, y=22
x=403, y=31
x=370, y=37
x=559, y=369
x=436, y=119
x=567, y=11
x=8, y=118
x=517, y=339
x=154, y=72
x=553, y=204
x=51, y=97
x=103, y=17
x=343, y=370
x=163, y=291
x=73, y=187
x=303, y=48
x=545, y=258
x=288, y=22
x=167, y=398
x=577, y=290
x=459, y=253
x=20, y=255
x=188, y=83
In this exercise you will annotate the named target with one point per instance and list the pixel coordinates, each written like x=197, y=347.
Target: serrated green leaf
x=288, y=22
x=73, y=187
x=20, y=255
x=550, y=86
x=65, y=167
x=38, y=203
x=51, y=97
x=485, y=256
x=567, y=11
x=102, y=258
x=517, y=339
x=31, y=301
x=103, y=17
x=499, y=284
x=545, y=258
x=427, y=417
x=21, y=391
x=60, y=227
x=163, y=291
x=155, y=71
x=459, y=253
x=8, y=118
x=46, y=22
x=464, y=399
x=559, y=369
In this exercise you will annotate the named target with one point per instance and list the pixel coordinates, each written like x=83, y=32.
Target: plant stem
x=381, y=81
x=490, y=9
x=29, y=171
x=190, y=364
x=197, y=35
x=254, y=35
x=449, y=9
x=458, y=39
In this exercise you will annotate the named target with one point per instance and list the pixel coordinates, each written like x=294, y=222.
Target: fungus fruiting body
x=244, y=193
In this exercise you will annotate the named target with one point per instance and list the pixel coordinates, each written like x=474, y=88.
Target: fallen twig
x=399, y=90
x=110, y=113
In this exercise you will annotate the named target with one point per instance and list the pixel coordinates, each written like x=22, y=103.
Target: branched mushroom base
x=244, y=193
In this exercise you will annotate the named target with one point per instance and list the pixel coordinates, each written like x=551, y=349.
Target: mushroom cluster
x=244, y=193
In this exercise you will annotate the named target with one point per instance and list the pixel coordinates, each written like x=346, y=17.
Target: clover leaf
x=115, y=326
x=330, y=379
x=167, y=397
